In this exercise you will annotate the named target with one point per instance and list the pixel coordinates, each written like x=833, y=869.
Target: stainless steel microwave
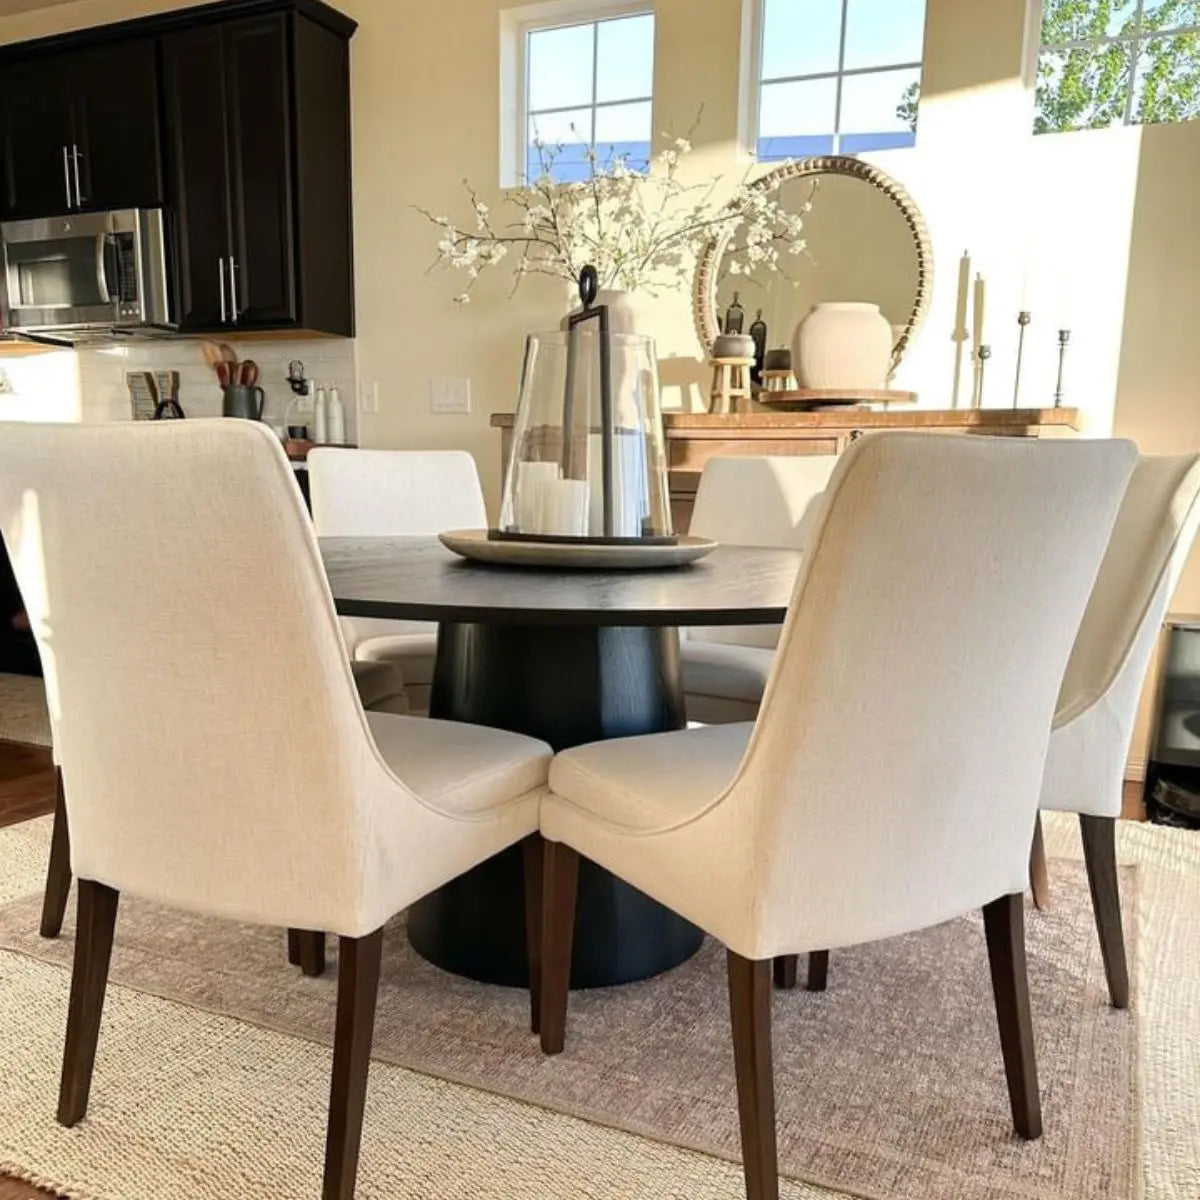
x=87, y=275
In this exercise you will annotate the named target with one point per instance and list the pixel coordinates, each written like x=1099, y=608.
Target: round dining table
x=570, y=657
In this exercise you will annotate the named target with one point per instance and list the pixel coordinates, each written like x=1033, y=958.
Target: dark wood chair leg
x=533, y=851
x=1100, y=855
x=1039, y=873
x=1004, y=924
x=750, y=1013
x=97, y=918
x=358, y=987
x=560, y=885
x=306, y=949
x=58, y=873
x=786, y=971
x=818, y=970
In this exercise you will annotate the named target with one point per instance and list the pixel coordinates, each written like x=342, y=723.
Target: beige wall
x=1051, y=221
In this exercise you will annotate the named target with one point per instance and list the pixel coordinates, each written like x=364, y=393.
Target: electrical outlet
x=5, y=383
x=450, y=396
x=368, y=397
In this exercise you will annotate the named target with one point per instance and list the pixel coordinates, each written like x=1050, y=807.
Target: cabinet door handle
x=233, y=296
x=67, y=174
x=221, y=277
x=75, y=160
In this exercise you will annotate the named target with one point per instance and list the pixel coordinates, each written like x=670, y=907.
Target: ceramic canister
x=843, y=345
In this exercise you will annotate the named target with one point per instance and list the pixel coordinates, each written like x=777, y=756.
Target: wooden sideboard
x=694, y=438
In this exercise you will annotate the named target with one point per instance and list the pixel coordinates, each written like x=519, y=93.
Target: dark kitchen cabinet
x=81, y=131
x=117, y=125
x=233, y=117
x=263, y=236
x=35, y=111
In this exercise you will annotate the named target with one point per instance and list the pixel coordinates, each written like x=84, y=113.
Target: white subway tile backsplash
x=327, y=361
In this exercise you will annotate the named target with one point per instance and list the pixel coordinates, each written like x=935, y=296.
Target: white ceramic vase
x=623, y=314
x=843, y=346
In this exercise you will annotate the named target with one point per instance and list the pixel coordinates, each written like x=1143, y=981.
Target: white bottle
x=320, y=418
x=336, y=419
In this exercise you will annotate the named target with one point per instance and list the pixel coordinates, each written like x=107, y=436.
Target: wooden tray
x=804, y=399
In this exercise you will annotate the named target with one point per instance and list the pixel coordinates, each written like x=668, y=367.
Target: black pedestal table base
x=566, y=685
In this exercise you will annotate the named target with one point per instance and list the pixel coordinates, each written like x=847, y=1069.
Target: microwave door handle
x=101, y=271
x=75, y=161
x=67, y=174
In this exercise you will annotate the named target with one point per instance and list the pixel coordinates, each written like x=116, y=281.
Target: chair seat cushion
x=726, y=671
x=380, y=685
x=645, y=783
x=412, y=651
x=458, y=768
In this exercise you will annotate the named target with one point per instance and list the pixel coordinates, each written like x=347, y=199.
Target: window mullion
x=1135, y=54
x=837, y=102
x=595, y=77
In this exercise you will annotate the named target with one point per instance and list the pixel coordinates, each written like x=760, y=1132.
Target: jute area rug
x=889, y=1084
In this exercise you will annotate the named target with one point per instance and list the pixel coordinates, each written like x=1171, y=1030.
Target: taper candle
x=964, y=286
x=978, y=313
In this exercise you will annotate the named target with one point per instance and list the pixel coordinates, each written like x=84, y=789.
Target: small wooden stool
x=730, y=383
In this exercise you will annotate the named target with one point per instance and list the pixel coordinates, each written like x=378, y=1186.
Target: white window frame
x=1137, y=40
x=515, y=26
x=754, y=21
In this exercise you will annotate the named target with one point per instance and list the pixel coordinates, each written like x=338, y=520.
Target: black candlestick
x=1064, y=336
x=1023, y=319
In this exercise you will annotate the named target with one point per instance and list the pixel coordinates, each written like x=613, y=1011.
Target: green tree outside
x=1088, y=87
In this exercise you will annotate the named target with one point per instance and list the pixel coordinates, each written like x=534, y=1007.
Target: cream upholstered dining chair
x=394, y=493
x=1097, y=707
x=873, y=766
x=215, y=752
x=750, y=501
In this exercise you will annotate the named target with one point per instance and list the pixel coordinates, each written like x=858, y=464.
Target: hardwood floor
x=27, y=791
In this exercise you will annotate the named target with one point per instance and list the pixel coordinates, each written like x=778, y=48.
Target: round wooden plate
x=475, y=544
x=803, y=399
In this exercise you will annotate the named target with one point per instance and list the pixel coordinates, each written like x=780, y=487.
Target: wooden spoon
x=211, y=352
x=249, y=373
x=228, y=353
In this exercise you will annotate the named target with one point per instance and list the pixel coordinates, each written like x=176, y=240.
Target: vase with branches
x=640, y=230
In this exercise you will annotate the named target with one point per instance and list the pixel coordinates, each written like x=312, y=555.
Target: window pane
x=1169, y=14
x=625, y=63
x=881, y=33
x=874, y=111
x=559, y=67
x=796, y=119
x=624, y=130
x=1070, y=21
x=566, y=138
x=1167, y=87
x=1083, y=89
x=801, y=37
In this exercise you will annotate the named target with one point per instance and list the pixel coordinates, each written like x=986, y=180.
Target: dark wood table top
x=419, y=579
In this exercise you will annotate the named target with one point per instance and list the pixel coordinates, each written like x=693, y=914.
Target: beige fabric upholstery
x=724, y=682
x=380, y=686
x=394, y=493
x=214, y=750
x=875, y=795
x=1097, y=707
x=751, y=501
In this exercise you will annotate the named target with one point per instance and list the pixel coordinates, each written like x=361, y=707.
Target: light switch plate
x=450, y=396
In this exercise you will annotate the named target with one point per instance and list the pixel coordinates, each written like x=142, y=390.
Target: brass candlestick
x=1023, y=319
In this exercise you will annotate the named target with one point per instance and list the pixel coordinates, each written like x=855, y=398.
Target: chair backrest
x=893, y=775
x=394, y=493
x=758, y=501
x=214, y=752
x=1151, y=540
